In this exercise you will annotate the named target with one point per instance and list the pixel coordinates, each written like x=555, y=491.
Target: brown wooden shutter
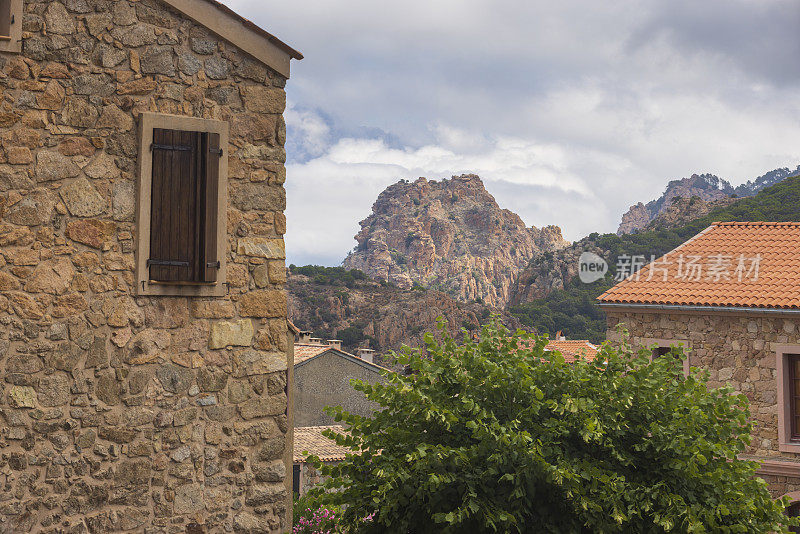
x=174, y=247
x=210, y=263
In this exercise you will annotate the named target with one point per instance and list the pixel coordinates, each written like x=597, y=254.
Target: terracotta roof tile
x=742, y=264
x=310, y=439
x=571, y=349
x=303, y=352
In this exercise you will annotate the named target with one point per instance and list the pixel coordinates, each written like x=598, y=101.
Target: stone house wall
x=151, y=414
x=737, y=349
x=325, y=381
x=310, y=477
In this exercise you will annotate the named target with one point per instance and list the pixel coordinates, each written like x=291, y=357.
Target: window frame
x=149, y=121
x=788, y=441
x=12, y=43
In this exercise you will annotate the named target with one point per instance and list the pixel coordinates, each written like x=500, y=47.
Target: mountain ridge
x=707, y=187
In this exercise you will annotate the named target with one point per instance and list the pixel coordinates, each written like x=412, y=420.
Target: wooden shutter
x=174, y=249
x=183, y=217
x=210, y=262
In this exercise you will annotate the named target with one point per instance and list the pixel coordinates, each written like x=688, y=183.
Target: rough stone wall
x=325, y=381
x=738, y=350
x=119, y=412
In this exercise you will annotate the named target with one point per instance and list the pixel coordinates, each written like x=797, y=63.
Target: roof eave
x=239, y=31
x=346, y=356
x=711, y=309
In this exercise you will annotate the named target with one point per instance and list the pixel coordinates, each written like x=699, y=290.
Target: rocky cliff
x=378, y=315
x=451, y=236
x=707, y=187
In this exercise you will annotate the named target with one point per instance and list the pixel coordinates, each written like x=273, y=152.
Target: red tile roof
x=573, y=349
x=310, y=439
x=741, y=264
x=303, y=352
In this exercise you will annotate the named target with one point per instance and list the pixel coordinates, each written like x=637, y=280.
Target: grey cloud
x=760, y=37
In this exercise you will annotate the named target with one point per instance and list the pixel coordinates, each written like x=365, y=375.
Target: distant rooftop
x=310, y=439
x=573, y=349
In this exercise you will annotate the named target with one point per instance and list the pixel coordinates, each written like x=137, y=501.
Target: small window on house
x=675, y=349
x=793, y=396
x=661, y=351
x=182, y=206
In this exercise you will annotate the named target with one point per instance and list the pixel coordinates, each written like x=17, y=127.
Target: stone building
x=143, y=348
x=731, y=297
x=322, y=374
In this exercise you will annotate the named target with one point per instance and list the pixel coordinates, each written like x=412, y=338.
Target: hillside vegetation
x=339, y=303
x=573, y=308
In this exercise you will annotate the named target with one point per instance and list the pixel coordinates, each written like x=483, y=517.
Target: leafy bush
x=488, y=436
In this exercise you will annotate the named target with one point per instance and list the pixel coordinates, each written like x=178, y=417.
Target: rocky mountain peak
x=449, y=235
x=707, y=187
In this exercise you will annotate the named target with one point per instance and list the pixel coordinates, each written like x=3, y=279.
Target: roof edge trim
x=346, y=356
x=239, y=31
x=680, y=307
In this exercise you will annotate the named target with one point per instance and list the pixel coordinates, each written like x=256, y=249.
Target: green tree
x=488, y=436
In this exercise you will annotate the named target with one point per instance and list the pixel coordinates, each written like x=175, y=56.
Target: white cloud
x=329, y=194
x=312, y=132
x=570, y=111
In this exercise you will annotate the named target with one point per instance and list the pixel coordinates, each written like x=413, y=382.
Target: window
x=661, y=351
x=793, y=395
x=663, y=347
x=788, y=386
x=296, y=479
x=181, y=212
x=184, y=206
x=11, y=25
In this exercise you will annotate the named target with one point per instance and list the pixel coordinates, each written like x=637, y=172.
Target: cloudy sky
x=570, y=111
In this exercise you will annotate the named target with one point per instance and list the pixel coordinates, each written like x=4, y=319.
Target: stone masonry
x=125, y=413
x=736, y=349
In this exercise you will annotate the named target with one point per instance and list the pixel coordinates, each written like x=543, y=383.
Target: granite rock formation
x=449, y=236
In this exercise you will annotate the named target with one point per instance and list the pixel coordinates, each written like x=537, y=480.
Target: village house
x=731, y=297
x=144, y=347
x=322, y=375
